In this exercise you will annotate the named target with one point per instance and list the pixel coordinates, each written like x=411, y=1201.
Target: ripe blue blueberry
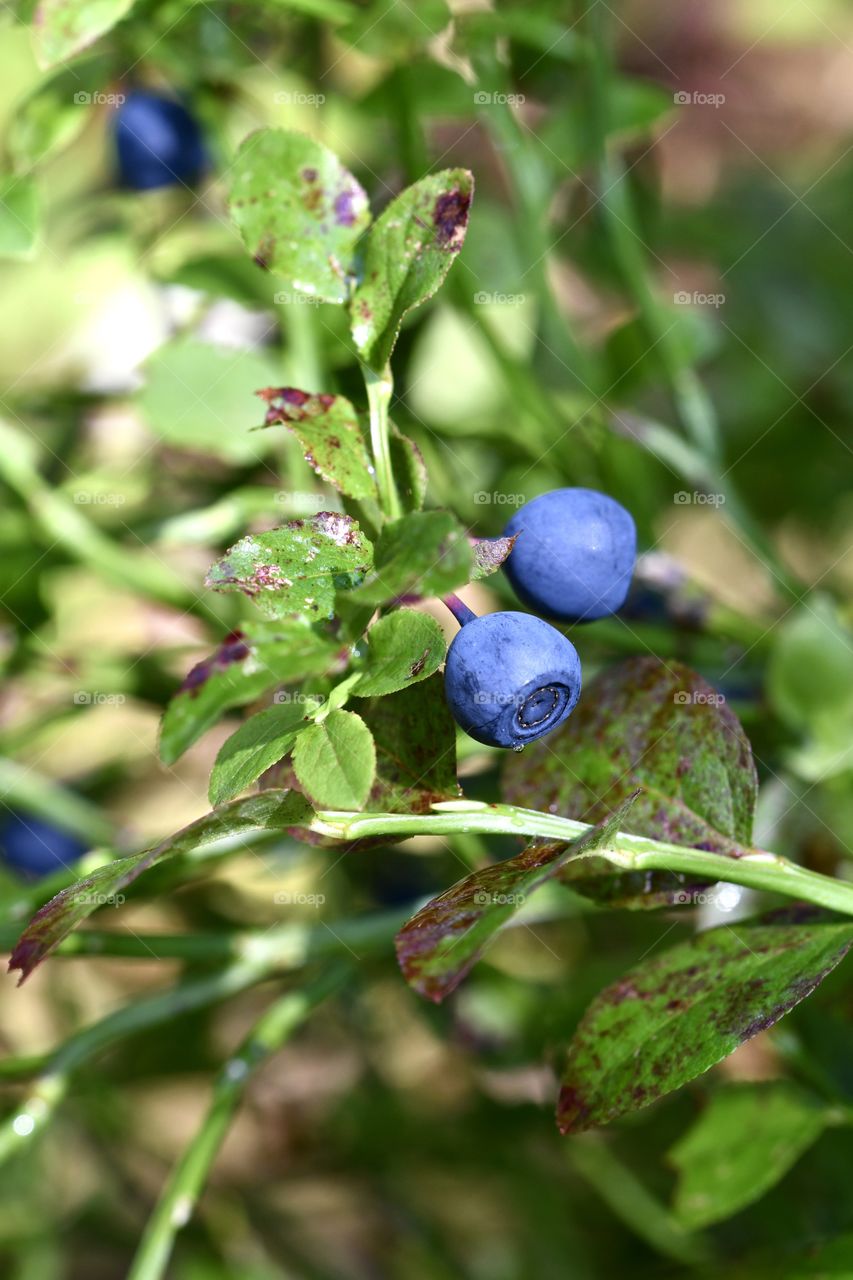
x=36, y=847
x=158, y=142
x=574, y=556
x=510, y=678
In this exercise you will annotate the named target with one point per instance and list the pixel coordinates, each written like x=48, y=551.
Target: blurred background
x=653, y=299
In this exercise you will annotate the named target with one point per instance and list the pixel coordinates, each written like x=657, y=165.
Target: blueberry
x=510, y=678
x=158, y=142
x=574, y=556
x=36, y=847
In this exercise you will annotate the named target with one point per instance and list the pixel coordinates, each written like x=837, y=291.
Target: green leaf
x=256, y=746
x=409, y=251
x=403, y=647
x=335, y=761
x=810, y=683
x=64, y=27
x=745, y=1141
x=328, y=431
x=389, y=30
x=297, y=568
x=328, y=10
x=299, y=211
x=439, y=946
x=679, y=1012
x=198, y=396
x=651, y=725
x=489, y=555
x=425, y=553
x=410, y=473
x=19, y=217
x=273, y=810
x=244, y=666
x=415, y=738
x=56, y=110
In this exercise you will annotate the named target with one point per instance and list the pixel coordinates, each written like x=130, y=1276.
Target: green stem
x=530, y=179
x=626, y=1196
x=754, y=870
x=288, y=947
x=692, y=402
x=182, y=1190
x=380, y=388
x=693, y=405
x=63, y=523
x=253, y=957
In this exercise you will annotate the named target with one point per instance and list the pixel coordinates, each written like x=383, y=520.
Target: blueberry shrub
x=428, y=667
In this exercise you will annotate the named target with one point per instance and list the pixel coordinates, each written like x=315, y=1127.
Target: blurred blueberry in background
x=36, y=847
x=158, y=142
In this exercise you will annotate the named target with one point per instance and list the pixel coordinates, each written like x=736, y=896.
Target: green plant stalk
x=754, y=870
x=65, y=525
x=181, y=1192
x=253, y=957
x=529, y=178
x=692, y=402
x=593, y=1158
x=380, y=388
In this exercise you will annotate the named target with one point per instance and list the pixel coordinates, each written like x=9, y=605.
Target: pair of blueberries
x=512, y=677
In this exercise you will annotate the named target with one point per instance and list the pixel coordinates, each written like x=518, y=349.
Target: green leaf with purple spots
x=489, y=555
x=745, y=1140
x=407, y=254
x=653, y=725
x=327, y=428
x=439, y=946
x=273, y=810
x=245, y=665
x=296, y=569
x=425, y=553
x=679, y=1012
x=299, y=211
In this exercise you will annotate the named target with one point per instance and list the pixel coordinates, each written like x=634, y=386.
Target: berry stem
x=459, y=609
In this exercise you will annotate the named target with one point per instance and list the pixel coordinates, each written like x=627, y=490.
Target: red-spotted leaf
x=439, y=946
x=296, y=569
x=299, y=211
x=272, y=810
x=653, y=725
x=680, y=1011
x=328, y=431
x=409, y=250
